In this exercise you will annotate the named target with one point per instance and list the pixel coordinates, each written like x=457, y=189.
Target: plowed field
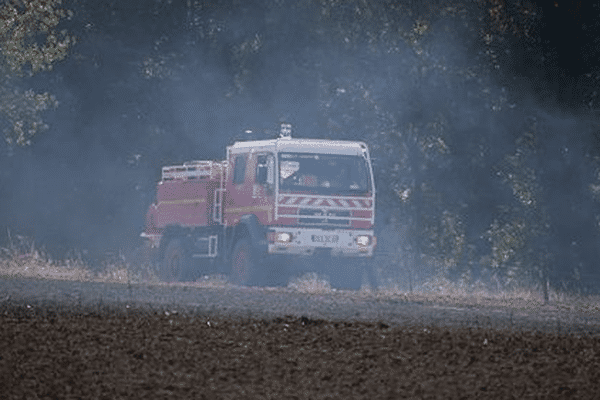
x=85, y=340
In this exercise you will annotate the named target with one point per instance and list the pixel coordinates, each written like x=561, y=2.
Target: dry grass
x=443, y=291
x=32, y=263
x=310, y=283
x=207, y=281
x=35, y=264
x=438, y=291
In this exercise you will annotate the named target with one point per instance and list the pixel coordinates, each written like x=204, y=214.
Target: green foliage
x=24, y=110
x=29, y=43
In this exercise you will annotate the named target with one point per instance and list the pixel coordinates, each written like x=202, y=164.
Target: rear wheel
x=177, y=263
x=243, y=263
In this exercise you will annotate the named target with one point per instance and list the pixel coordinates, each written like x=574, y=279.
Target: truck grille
x=311, y=216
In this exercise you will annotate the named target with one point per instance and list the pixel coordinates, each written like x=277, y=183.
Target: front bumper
x=314, y=241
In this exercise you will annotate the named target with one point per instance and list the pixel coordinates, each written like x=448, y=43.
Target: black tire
x=345, y=273
x=243, y=263
x=177, y=263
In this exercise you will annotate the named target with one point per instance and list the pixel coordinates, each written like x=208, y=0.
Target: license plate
x=325, y=238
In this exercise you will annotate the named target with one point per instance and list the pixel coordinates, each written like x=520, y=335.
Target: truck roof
x=322, y=146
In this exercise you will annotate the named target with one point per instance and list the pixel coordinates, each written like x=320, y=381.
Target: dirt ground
x=77, y=352
x=74, y=337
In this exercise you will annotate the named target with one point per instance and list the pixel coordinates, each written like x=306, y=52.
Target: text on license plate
x=325, y=238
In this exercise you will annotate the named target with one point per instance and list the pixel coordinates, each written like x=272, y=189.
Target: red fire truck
x=271, y=209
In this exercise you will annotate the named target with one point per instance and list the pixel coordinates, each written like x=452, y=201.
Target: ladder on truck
x=219, y=194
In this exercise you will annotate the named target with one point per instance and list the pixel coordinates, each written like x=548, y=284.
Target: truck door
x=252, y=187
x=263, y=188
x=239, y=189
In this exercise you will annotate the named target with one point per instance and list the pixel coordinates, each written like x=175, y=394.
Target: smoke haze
x=486, y=162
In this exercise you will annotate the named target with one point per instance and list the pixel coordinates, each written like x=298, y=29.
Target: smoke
x=475, y=167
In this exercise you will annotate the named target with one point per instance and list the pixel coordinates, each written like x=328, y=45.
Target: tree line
x=486, y=163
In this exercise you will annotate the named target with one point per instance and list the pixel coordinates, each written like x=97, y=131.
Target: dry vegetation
x=24, y=261
x=441, y=291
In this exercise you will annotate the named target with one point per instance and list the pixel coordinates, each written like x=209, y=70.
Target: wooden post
x=545, y=285
x=410, y=284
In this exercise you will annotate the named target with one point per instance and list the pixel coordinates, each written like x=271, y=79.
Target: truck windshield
x=326, y=174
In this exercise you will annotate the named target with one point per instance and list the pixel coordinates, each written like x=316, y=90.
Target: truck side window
x=265, y=169
x=239, y=171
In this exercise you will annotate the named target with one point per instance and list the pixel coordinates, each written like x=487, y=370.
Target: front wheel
x=177, y=263
x=243, y=263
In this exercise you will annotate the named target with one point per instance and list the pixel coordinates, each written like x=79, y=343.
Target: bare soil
x=64, y=339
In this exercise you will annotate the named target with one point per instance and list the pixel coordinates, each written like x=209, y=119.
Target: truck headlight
x=280, y=237
x=363, y=240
